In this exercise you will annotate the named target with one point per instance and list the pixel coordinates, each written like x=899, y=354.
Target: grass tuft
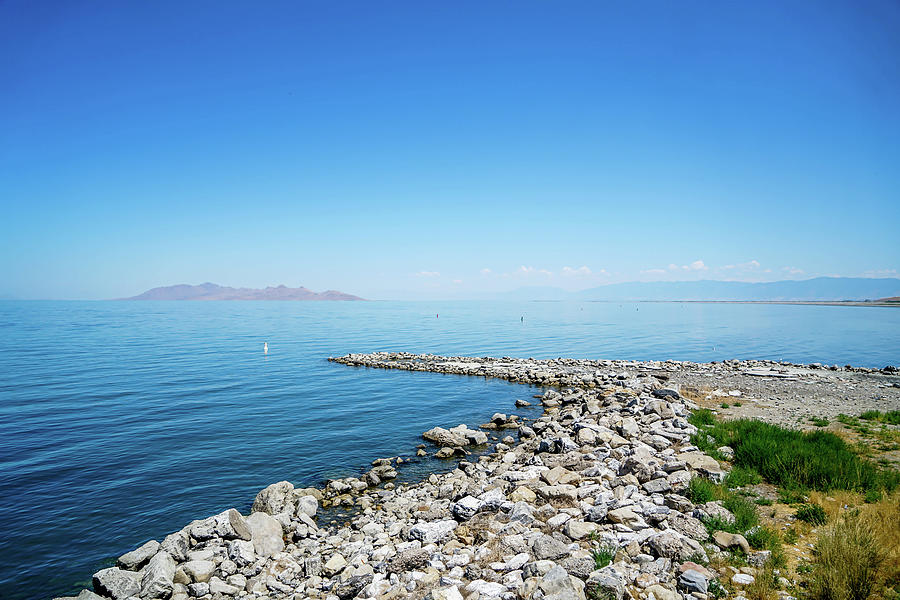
x=847, y=561
x=813, y=514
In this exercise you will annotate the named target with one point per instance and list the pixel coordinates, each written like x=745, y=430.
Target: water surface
x=122, y=421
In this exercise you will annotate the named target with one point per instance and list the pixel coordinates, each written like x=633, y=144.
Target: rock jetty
x=602, y=473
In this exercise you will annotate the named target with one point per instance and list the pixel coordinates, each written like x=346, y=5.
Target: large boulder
x=274, y=499
x=229, y=525
x=117, y=584
x=266, y=534
x=159, y=573
x=444, y=438
x=135, y=559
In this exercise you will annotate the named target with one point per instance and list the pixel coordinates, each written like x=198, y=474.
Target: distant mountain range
x=820, y=289
x=211, y=291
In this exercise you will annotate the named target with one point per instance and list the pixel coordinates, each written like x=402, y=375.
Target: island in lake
x=211, y=291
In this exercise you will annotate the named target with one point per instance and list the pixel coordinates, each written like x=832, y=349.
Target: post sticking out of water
x=265, y=347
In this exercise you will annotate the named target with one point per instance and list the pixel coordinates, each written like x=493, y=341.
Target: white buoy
x=265, y=347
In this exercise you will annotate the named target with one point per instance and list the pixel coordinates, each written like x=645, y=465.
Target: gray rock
x=85, y=595
x=231, y=525
x=308, y=505
x=217, y=586
x=443, y=437
x=177, y=544
x=198, y=589
x=241, y=552
x=465, y=508
x=658, y=486
x=265, y=533
x=116, y=583
x=548, y=548
x=608, y=583
x=199, y=571
x=578, y=567
x=135, y=559
x=429, y=533
x=408, y=560
x=158, y=575
x=352, y=586
x=693, y=581
x=731, y=540
x=557, y=584
x=274, y=499
x=689, y=526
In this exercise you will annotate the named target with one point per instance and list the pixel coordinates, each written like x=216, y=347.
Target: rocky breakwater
x=601, y=473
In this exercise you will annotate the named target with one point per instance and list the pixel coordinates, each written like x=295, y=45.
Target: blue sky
x=406, y=150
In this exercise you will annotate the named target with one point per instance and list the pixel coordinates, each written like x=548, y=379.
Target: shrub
x=701, y=417
x=847, y=560
x=741, y=476
x=792, y=495
x=724, y=405
x=811, y=513
x=744, y=511
x=701, y=490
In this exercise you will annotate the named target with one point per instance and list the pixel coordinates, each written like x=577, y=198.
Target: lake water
x=122, y=421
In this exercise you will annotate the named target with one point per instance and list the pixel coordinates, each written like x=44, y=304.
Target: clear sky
x=404, y=150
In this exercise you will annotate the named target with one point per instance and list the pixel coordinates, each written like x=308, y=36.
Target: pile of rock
x=602, y=473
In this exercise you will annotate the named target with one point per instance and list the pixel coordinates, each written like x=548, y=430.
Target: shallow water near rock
x=121, y=422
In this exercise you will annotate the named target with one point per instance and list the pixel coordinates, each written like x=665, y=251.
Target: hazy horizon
x=423, y=151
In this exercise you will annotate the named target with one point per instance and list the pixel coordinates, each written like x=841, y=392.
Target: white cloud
x=582, y=271
x=485, y=272
x=881, y=273
x=653, y=272
x=427, y=274
x=792, y=270
x=697, y=265
x=523, y=270
x=457, y=281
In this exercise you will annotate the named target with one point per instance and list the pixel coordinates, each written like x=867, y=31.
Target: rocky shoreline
x=603, y=470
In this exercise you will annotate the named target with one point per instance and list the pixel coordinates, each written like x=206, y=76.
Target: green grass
x=741, y=476
x=791, y=536
x=819, y=421
x=603, y=555
x=702, y=417
x=702, y=490
x=763, y=502
x=724, y=405
x=792, y=495
x=891, y=417
x=812, y=514
x=818, y=460
x=767, y=538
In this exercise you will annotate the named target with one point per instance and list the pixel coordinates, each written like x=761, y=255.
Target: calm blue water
x=120, y=422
